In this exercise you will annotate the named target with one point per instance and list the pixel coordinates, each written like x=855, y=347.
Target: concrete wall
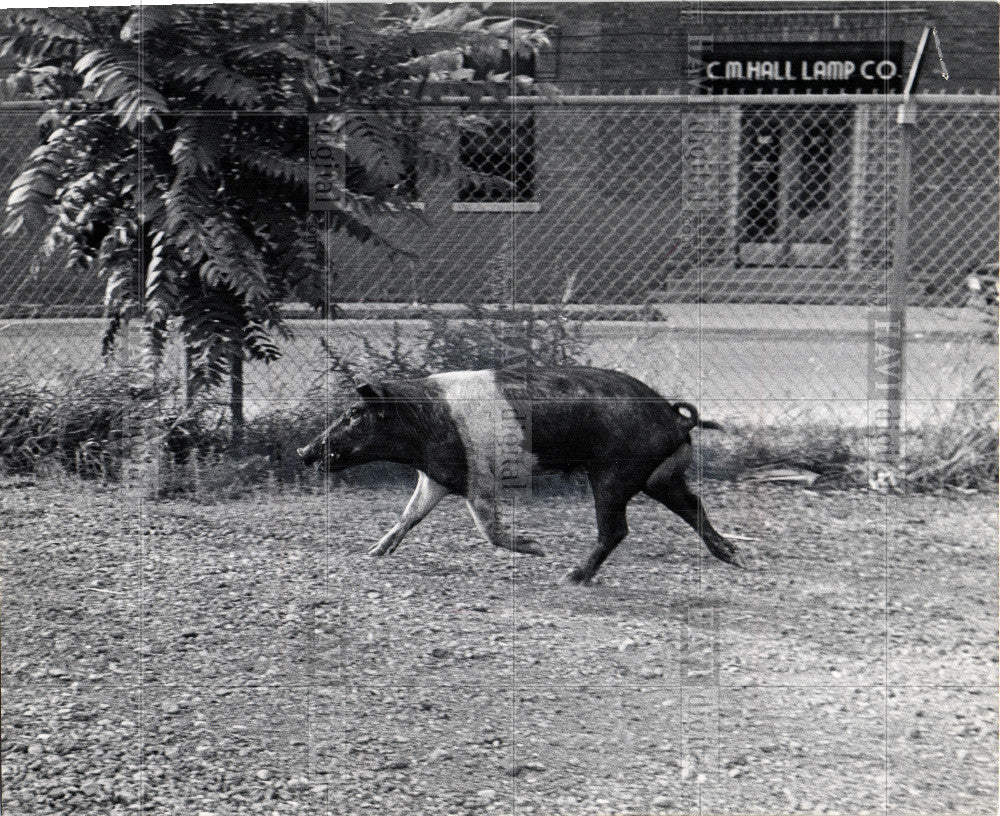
x=745, y=365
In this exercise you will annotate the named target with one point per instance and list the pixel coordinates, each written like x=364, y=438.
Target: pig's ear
x=371, y=391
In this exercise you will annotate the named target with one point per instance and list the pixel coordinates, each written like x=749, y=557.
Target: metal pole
x=236, y=387
x=896, y=297
x=886, y=337
x=887, y=354
x=734, y=124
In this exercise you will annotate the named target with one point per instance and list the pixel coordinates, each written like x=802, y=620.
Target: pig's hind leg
x=424, y=499
x=612, y=490
x=486, y=514
x=667, y=486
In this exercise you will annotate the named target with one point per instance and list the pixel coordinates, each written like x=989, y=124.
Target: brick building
x=802, y=196
x=631, y=192
x=620, y=47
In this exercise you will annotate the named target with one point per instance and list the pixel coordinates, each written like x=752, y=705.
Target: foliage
x=483, y=339
x=174, y=159
x=957, y=455
x=962, y=456
x=76, y=421
x=962, y=451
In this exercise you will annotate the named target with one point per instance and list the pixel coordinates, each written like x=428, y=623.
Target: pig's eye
x=355, y=412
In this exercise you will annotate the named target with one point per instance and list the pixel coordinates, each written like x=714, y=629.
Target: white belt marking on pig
x=483, y=416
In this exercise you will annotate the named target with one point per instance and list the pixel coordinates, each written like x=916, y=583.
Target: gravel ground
x=248, y=657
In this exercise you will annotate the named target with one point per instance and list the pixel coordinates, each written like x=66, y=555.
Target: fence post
x=898, y=276
x=887, y=332
x=897, y=285
x=185, y=361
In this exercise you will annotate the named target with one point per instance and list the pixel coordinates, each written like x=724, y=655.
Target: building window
x=497, y=153
x=761, y=188
x=815, y=165
x=499, y=159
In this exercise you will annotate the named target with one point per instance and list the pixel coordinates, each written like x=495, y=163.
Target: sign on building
x=801, y=67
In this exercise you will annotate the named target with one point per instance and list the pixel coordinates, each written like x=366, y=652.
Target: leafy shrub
x=83, y=422
x=211, y=469
x=959, y=456
x=956, y=454
x=481, y=339
x=962, y=451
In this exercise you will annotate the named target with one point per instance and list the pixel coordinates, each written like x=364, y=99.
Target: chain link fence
x=724, y=249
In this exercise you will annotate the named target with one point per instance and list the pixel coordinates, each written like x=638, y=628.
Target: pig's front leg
x=487, y=517
x=424, y=499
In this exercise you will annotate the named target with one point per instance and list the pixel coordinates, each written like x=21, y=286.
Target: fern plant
x=174, y=158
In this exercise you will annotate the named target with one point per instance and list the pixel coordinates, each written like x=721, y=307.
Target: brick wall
x=643, y=46
x=614, y=227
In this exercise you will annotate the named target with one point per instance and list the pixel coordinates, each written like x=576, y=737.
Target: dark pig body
x=480, y=434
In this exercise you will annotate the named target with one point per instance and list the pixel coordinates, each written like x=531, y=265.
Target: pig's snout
x=313, y=453
x=307, y=454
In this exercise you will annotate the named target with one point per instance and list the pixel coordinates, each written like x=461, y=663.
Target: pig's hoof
x=728, y=553
x=379, y=549
x=528, y=546
x=577, y=575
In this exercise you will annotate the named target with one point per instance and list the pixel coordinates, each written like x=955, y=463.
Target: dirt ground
x=249, y=657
